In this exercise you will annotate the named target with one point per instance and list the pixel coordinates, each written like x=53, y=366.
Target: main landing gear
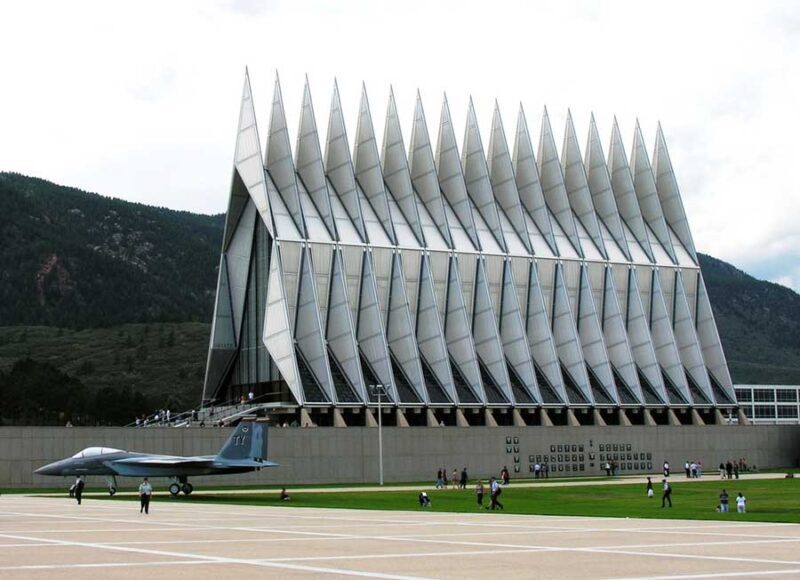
x=111, y=481
x=180, y=484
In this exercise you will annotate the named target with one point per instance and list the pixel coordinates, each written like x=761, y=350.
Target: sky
x=140, y=100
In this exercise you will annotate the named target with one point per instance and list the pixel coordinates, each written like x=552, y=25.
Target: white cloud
x=140, y=100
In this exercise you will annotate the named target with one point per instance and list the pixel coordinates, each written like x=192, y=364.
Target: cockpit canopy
x=92, y=451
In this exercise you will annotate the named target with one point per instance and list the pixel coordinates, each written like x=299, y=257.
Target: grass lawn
x=771, y=500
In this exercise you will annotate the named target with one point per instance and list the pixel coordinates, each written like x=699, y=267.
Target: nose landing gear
x=111, y=481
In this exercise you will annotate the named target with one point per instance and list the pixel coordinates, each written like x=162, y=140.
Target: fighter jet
x=244, y=451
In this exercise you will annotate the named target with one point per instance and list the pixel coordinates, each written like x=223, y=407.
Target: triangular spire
x=370, y=329
x=552, y=182
x=238, y=257
x=340, y=328
x=593, y=345
x=309, y=163
x=664, y=340
x=512, y=333
x=459, y=340
x=645, y=184
x=248, y=180
x=308, y=328
x=451, y=176
x=599, y=181
x=339, y=166
x=577, y=185
x=400, y=334
x=395, y=170
x=529, y=187
x=641, y=340
x=707, y=334
x=223, y=338
x=567, y=341
x=277, y=335
x=624, y=191
x=476, y=177
x=368, y=167
x=279, y=160
x=686, y=340
x=503, y=182
x=430, y=334
x=540, y=337
x=487, y=340
x=616, y=338
x=423, y=172
x=670, y=195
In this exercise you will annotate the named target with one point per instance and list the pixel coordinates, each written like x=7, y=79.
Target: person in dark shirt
x=666, y=495
x=79, y=485
x=463, y=483
x=723, y=501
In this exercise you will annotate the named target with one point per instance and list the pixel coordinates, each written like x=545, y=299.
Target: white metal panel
x=285, y=228
x=340, y=328
x=659, y=253
x=683, y=257
x=591, y=336
x=625, y=192
x=404, y=233
x=512, y=334
x=423, y=173
x=308, y=327
x=538, y=325
x=577, y=185
x=613, y=250
x=382, y=271
x=538, y=242
x=494, y=267
x=370, y=333
x=664, y=341
x=486, y=336
x=277, y=335
x=707, y=334
x=616, y=337
x=290, y=271
x=400, y=331
x=686, y=340
x=458, y=335
x=368, y=167
x=638, y=254
x=439, y=263
x=395, y=170
x=641, y=340
x=460, y=238
x=339, y=166
x=552, y=181
x=599, y=181
x=645, y=185
x=315, y=227
x=279, y=159
x=352, y=259
x=311, y=171
x=451, y=176
x=514, y=244
x=430, y=333
x=238, y=262
x=670, y=195
x=433, y=238
x=375, y=230
x=247, y=159
x=590, y=251
x=476, y=178
x=411, y=266
x=487, y=239
x=321, y=256
x=546, y=270
x=501, y=173
x=529, y=186
x=564, y=245
x=467, y=263
x=344, y=225
x=566, y=338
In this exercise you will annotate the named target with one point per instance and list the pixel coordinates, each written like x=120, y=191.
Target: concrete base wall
x=327, y=455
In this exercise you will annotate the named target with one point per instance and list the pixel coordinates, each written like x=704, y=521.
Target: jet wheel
x=187, y=488
x=112, y=491
x=174, y=489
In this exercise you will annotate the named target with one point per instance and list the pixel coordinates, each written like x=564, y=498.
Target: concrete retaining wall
x=322, y=455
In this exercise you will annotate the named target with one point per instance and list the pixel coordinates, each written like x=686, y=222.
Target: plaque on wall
x=516, y=448
x=509, y=449
x=560, y=448
x=628, y=447
x=531, y=459
x=516, y=469
x=516, y=440
x=552, y=449
x=602, y=447
x=516, y=459
x=508, y=440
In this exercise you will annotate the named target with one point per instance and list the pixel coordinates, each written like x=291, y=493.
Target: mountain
x=79, y=260
x=118, y=298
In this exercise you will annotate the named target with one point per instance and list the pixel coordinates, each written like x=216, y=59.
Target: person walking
x=729, y=469
x=721, y=470
x=79, y=485
x=479, y=491
x=145, y=491
x=439, y=479
x=687, y=469
x=723, y=502
x=495, y=494
x=650, y=492
x=666, y=495
x=454, y=479
x=464, y=479
x=741, y=503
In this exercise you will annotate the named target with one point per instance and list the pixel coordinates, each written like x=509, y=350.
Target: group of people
x=741, y=503
x=693, y=469
x=145, y=493
x=459, y=481
x=541, y=471
x=724, y=498
x=729, y=469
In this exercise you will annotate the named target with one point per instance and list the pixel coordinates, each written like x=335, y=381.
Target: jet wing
x=207, y=461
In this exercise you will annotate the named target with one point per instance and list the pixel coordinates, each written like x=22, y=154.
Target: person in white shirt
x=741, y=503
x=145, y=491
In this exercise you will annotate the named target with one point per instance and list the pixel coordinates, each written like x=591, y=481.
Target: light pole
x=379, y=390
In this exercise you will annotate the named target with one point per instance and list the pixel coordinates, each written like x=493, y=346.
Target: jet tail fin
x=249, y=441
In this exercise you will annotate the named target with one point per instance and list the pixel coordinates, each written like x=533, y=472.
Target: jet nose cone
x=49, y=469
